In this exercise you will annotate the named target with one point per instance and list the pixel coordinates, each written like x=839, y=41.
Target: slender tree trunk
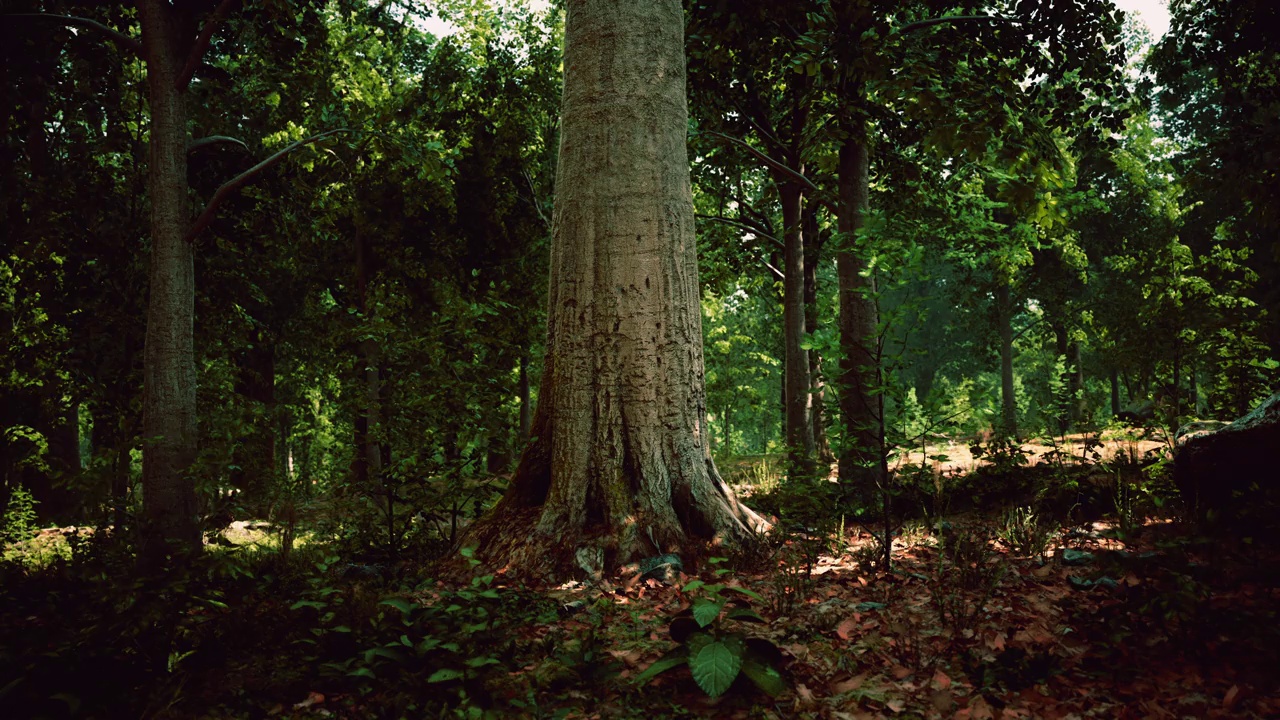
x=817, y=408
x=169, y=384
x=526, y=412
x=1115, y=392
x=621, y=461
x=1079, y=406
x=1004, y=322
x=859, y=322
x=798, y=400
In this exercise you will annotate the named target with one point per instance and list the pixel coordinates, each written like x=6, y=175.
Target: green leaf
x=477, y=662
x=672, y=659
x=716, y=664
x=746, y=591
x=307, y=603
x=706, y=611
x=693, y=585
x=445, y=675
x=362, y=672
x=763, y=675
x=400, y=604
x=744, y=614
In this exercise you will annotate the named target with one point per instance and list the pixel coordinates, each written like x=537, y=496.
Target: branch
x=533, y=196
x=201, y=44
x=745, y=225
x=245, y=178
x=953, y=20
x=119, y=38
x=768, y=161
x=203, y=142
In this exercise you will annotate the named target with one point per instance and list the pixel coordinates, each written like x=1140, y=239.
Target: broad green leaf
x=444, y=675
x=672, y=659
x=716, y=664
x=706, y=611
x=400, y=604
x=764, y=675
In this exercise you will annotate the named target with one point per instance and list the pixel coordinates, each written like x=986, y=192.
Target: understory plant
x=712, y=643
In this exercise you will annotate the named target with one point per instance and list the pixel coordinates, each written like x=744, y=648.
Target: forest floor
x=974, y=621
x=1159, y=625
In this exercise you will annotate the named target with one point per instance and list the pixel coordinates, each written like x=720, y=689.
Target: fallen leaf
x=900, y=672
x=980, y=710
x=941, y=681
x=1230, y=699
x=896, y=705
x=846, y=627
x=941, y=700
x=852, y=683
x=804, y=695
x=313, y=698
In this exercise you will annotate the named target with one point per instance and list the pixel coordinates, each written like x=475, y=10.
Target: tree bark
x=799, y=431
x=169, y=384
x=859, y=322
x=1004, y=323
x=620, y=461
x=817, y=407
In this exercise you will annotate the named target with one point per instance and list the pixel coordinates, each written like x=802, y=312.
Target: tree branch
x=203, y=142
x=201, y=45
x=768, y=161
x=115, y=36
x=953, y=20
x=743, y=224
x=244, y=178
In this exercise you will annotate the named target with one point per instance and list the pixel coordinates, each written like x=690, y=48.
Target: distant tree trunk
x=526, y=412
x=369, y=428
x=798, y=400
x=255, y=455
x=1004, y=323
x=169, y=384
x=621, y=460
x=1075, y=383
x=859, y=322
x=1115, y=392
x=817, y=409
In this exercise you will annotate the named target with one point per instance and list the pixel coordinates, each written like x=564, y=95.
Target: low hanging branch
x=953, y=20
x=124, y=41
x=777, y=166
x=201, y=44
x=204, y=142
x=743, y=224
x=247, y=177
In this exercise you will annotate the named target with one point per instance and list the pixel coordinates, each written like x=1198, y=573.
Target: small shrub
x=1023, y=532
x=19, y=517
x=713, y=645
x=968, y=574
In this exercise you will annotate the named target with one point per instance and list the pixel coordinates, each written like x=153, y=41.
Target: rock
x=665, y=568
x=1233, y=468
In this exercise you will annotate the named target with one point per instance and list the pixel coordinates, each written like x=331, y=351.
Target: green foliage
x=19, y=517
x=969, y=571
x=1023, y=531
x=712, y=644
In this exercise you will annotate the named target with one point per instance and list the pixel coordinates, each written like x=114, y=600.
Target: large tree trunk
x=621, y=461
x=169, y=385
x=1004, y=322
x=859, y=321
x=796, y=380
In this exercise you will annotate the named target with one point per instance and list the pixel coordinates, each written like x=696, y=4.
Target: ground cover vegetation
x=822, y=359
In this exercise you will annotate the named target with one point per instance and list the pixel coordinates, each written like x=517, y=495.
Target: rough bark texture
x=817, y=409
x=796, y=381
x=621, y=460
x=859, y=320
x=1004, y=322
x=169, y=385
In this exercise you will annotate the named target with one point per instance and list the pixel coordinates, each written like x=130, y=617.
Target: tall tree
x=621, y=465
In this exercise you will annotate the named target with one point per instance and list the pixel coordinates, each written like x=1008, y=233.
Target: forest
x=831, y=359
